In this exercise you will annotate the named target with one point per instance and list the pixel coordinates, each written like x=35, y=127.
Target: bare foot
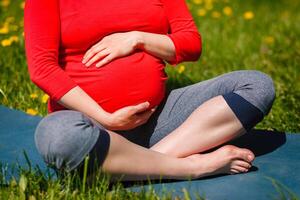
x=228, y=159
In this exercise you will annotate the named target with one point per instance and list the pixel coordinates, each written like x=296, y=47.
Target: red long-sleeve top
x=59, y=32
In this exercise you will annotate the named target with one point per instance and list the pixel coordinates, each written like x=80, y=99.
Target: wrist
x=104, y=118
x=138, y=40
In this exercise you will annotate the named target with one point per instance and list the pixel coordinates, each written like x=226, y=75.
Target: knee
x=261, y=89
x=63, y=136
x=265, y=88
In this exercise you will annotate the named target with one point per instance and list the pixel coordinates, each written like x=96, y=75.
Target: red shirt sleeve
x=42, y=39
x=183, y=32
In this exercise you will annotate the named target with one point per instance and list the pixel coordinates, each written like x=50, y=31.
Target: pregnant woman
x=102, y=64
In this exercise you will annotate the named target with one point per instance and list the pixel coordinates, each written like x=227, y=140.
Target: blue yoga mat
x=17, y=139
x=277, y=157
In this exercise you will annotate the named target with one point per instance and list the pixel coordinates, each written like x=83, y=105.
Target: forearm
x=77, y=99
x=155, y=44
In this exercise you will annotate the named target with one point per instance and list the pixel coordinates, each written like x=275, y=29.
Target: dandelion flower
x=4, y=30
x=45, y=98
x=248, y=15
x=4, y=3
x=180, y=69
x=14, y=38
x=227, y=11
x=33, y=95
x=6, y=42
x=201, y=12
x=209, y=4
x=31, y=111
x=216, y=14
x=269, y=40
x=197, y=2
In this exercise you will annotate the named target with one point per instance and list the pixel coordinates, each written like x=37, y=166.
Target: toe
x=246, y=155
x=233, y=171
x=239, y=169
x=242, y=163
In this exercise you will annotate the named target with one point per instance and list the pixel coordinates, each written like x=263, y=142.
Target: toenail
x=249, y=157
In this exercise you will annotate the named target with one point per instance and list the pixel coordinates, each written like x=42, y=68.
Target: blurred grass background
x=262, y=35
x=252, y=34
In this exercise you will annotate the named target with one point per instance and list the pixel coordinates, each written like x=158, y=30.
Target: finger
x=91, y=52
x=145, y=114
x=141, y=107
x=106, y=60
x=96, y=57
x=97, y=47
x=144, y=117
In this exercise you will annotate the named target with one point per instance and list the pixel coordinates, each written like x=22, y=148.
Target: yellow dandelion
x=22, y=5
x=198, y=2
x=248, y=15
x=201, y=12
x=180, y=69
x=4, y=29
x=209, y=6
x=45, y=98
x=208, y=1
x=227, y=11
x=33, y=95
x=216, y=14
x=14, y=38
x=6, y=42
x=31, y=111
x=4, y=3
x=269, y=40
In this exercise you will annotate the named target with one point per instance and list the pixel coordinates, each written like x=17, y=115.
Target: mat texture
x=278, y=157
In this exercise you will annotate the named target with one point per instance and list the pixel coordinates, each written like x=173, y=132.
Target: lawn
x=252, y=34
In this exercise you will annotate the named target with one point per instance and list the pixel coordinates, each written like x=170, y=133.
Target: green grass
x=269, y=42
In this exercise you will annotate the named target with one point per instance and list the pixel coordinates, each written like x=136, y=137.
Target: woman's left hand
x=111, y=47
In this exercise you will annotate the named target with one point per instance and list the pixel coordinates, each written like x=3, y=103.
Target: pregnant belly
x=124, y=81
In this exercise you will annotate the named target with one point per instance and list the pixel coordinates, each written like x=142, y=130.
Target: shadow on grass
x=260, y=142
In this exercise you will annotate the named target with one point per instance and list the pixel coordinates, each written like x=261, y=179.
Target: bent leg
x=64, y=138
x=201, y=116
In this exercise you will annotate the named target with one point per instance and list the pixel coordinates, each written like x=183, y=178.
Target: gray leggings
x=65, y=137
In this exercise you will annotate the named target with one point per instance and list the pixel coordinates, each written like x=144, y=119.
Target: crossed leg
x=64, y=137
x=207, y=114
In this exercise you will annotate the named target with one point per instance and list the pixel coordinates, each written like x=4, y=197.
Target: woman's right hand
x=129, y=117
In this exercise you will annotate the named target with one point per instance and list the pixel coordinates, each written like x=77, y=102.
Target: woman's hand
x=129, y=117
x=111, y=47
